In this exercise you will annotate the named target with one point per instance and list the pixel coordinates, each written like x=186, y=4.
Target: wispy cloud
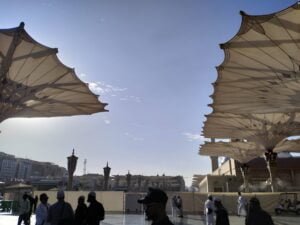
x=104, y=89
x=132, y=137
x=193, y=137
x=133, y=98
x=106, y=121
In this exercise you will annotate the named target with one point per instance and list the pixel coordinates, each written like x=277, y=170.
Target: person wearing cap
x=221, y=213
x=61, y=212
x=209, y=210
x=155, y=206
x=256, y=215
x=41, y=212
x=95, y=211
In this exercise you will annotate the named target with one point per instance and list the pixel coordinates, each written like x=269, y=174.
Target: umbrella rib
x=249, y=77
x=251, y=90
x=255, y=60
x=21, y=67
x=283, y=82
x=262, y=71
x=286, y=30
x=40, y=54
x=60, y=76
x=72, y=105
x=65, y=89
x=44, y=74
x=261, y=50
x=26, y=78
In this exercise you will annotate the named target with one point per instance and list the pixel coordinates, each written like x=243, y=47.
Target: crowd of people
x=61, y=212
x=216, y=214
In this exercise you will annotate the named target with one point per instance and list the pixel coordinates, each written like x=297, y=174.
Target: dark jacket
x=81, y=214
x=222, y=217
x=258, y=217
x=60, y=212
x=95, y=213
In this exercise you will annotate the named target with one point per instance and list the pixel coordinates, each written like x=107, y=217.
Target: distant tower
x=106, y=176
x=139, y=181
x=128, y=180
x=214, y=159
x=84, y=167
x=72, y=161
x=117, y=181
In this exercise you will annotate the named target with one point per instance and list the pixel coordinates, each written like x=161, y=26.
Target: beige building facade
x=228, y=177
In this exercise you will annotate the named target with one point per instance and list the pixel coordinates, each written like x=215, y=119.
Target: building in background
x=228, y=177
x=46, y=176
x=15, y=170
x=138, y=183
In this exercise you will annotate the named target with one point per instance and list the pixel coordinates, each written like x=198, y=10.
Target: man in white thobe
x=241, y=205
x=209, y=210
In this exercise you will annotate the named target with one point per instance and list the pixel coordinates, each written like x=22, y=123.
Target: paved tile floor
x=120, y=219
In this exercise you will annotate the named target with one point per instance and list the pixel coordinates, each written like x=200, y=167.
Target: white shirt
x=209, y=204
x=241, y=200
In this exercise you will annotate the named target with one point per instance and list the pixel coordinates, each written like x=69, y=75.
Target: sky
x=152, y=61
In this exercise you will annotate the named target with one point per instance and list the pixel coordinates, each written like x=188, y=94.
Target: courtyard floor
x=122, y=219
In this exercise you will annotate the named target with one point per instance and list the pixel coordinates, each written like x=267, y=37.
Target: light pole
x=106, y=171
x=72, y=161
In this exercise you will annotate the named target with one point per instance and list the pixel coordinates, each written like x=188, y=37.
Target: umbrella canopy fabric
x=265, y=129
x=245, y=151
x=288, y=146
x=261, y=69
x=240, y=151
x=34, y=83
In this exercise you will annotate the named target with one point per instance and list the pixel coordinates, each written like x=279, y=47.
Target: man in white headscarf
x=209, y=210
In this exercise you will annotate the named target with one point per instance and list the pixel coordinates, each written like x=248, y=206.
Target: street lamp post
x=106, y=171
x=72, y=162
x=128, y=180
x=245, y=173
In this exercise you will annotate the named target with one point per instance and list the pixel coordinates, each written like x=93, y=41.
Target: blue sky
x=152, y=61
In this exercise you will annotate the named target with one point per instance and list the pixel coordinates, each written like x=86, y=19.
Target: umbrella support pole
x=245, y=173
x=271, y=157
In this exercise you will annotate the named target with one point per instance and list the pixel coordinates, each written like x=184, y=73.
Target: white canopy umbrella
x=34, y=83
x=259, y=75
x=240, y=151
x=261, y=69
x=264, y=129
x=244, y=152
